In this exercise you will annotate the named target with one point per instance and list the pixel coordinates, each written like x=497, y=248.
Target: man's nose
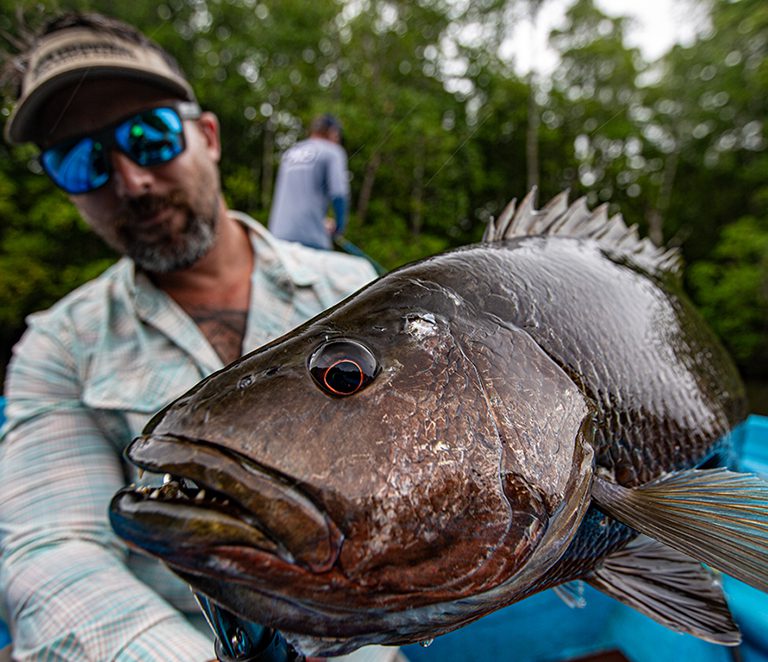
x=129, y=178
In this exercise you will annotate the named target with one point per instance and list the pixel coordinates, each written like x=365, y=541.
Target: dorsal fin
x=577, y=221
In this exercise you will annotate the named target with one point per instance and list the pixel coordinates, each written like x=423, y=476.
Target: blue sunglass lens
x=77, y=168
x=149, y=138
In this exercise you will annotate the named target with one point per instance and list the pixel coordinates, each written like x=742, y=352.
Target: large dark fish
x=465, y=431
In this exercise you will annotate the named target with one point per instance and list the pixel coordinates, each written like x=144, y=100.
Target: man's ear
x=209, y=129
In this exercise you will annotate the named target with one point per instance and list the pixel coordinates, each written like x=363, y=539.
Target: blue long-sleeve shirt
x=312, y=176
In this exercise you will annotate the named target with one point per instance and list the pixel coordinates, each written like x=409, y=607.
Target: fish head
x=396, y=453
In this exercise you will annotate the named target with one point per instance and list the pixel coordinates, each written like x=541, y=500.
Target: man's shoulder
x=330, y=147
x=87, y=303
x=325, y=261
x=307, y=264
x=342, y=274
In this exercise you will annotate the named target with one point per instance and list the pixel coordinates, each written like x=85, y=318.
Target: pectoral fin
x=715, y=516
x=670, y=588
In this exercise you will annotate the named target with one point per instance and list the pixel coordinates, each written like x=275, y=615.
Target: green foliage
x=711, y=138
x=732, y=290
x=45, y=248
x=442, y=131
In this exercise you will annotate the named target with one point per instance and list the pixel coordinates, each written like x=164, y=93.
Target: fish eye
x=342, y=367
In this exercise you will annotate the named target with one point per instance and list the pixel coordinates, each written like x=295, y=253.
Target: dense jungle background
x=441, y=132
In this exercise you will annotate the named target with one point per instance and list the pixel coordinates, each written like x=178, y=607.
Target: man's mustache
x=135, y=210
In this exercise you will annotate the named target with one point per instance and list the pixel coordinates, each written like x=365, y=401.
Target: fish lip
x=303, y=533
x=131, y=508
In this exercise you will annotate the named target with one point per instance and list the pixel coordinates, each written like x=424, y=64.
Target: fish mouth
x=215, y=502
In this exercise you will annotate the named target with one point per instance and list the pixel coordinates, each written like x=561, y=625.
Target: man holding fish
x=120, y=131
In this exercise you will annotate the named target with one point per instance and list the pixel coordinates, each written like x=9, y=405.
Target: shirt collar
x=278, y=257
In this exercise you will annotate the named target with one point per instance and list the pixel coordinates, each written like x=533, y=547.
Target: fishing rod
x=242, y=641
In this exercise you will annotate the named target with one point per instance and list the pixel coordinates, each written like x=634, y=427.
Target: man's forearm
x=339, y=204
x=65, y=581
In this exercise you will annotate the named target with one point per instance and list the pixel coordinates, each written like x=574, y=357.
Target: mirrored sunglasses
x=150, y=137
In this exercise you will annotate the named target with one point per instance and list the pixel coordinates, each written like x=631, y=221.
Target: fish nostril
x=245, y=382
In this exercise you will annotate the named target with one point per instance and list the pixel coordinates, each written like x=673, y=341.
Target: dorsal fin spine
x=557, y=218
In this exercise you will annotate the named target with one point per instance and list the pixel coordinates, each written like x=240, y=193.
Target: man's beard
x=162, y=249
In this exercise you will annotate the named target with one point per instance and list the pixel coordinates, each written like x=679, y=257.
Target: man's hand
x=330, y=225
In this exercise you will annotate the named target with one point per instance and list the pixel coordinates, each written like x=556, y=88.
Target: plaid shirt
x=83, y=381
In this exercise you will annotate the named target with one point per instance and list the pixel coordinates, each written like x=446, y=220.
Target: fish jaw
x=234, y=504
x=239, y=555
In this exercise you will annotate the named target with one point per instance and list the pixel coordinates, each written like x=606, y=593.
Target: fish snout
x=211, y=482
